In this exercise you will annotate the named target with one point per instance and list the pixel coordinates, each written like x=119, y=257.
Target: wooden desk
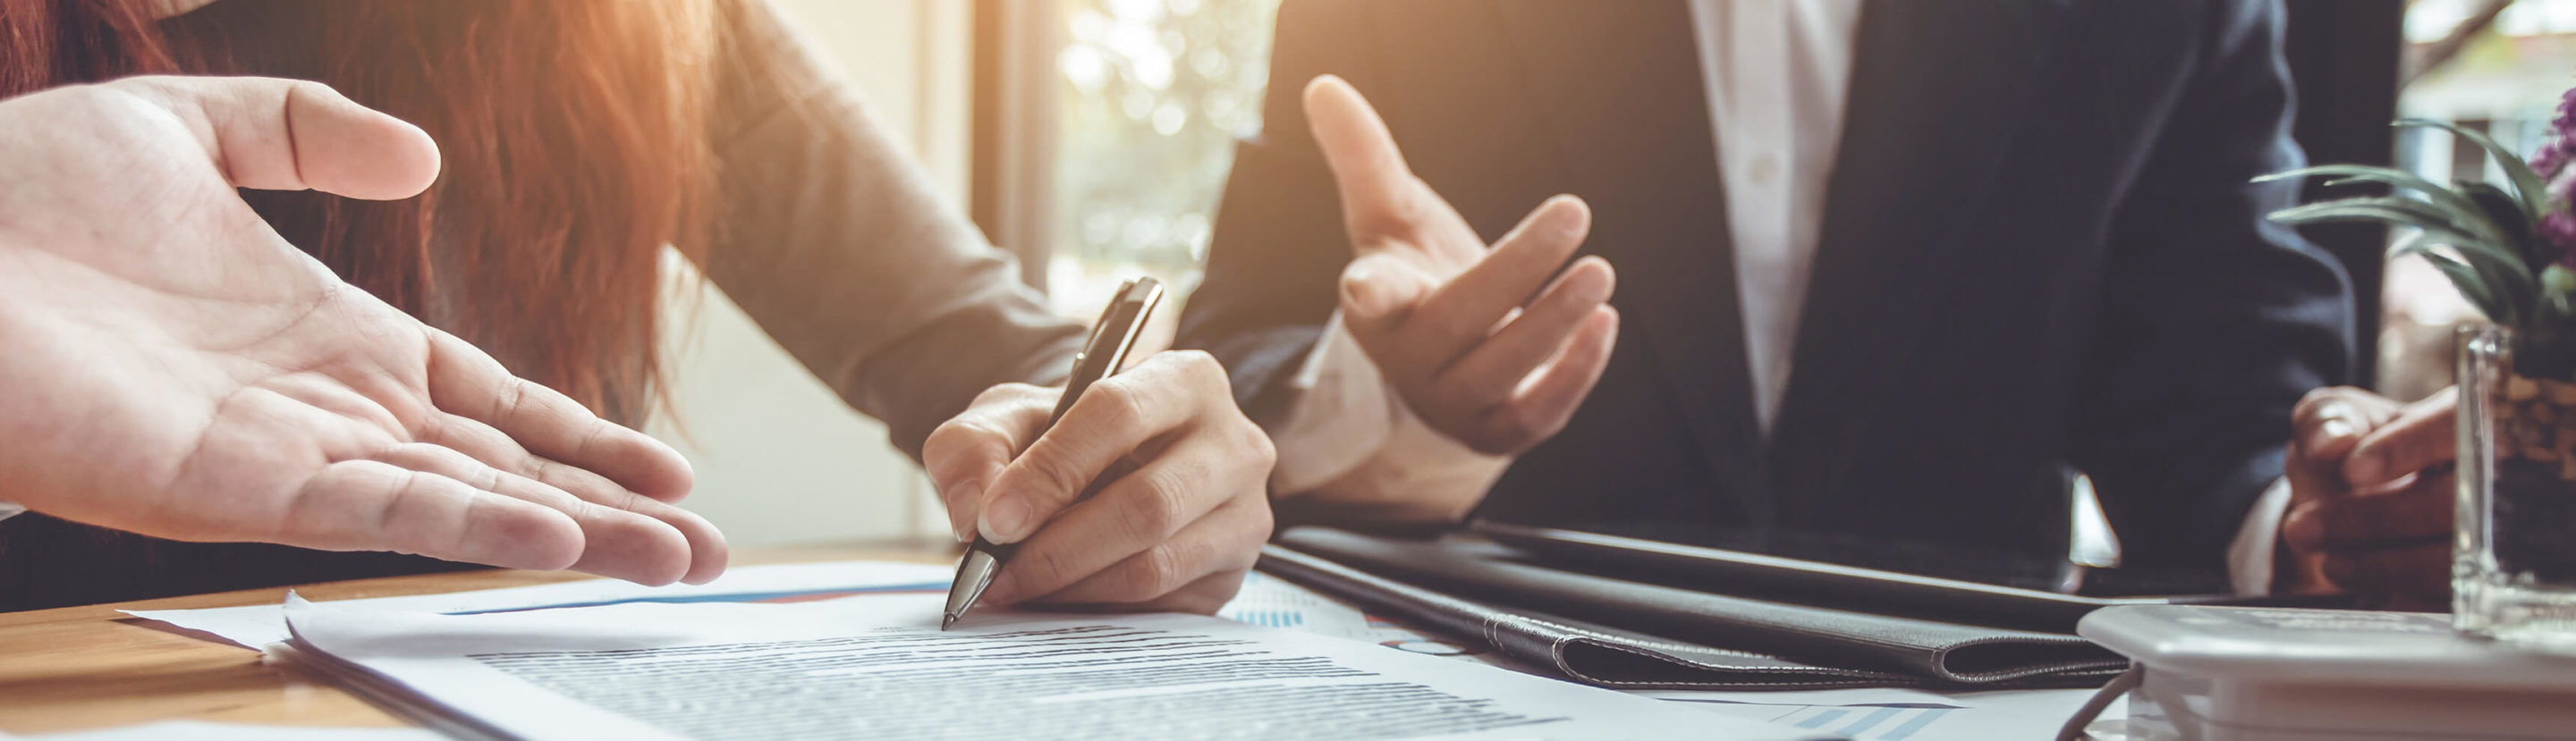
x=81, y=668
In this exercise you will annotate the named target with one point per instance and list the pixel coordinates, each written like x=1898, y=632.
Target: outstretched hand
x=1480, y=343
x=170, y=366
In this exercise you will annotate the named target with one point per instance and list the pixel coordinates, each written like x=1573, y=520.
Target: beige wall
x=779, y=458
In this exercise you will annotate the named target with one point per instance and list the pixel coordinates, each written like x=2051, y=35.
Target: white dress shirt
x=1778, y=73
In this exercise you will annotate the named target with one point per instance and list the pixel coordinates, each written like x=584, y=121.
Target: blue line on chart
x=729, y=597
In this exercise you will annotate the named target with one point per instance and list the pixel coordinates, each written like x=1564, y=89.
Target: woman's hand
x=1182, y=508
x=170, y=366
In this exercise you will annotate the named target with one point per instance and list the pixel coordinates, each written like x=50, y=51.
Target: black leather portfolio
x=1629, y=634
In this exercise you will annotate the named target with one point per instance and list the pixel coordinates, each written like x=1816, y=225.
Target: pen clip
x=1142, y=293
x=1110, y=340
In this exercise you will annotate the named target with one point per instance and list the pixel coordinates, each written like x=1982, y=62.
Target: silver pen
x=1111, y=338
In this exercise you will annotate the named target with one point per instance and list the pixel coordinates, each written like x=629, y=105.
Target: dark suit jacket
x=2040, y=250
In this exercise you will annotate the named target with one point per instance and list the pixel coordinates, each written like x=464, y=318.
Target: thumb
x=274, y=134
x=2330, y=439
x=2422, y=436
x=1379, y=288
x=1368, y=169
x=968, y=453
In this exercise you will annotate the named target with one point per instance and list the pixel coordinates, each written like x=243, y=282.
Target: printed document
x=878, y=667
x=254, y=626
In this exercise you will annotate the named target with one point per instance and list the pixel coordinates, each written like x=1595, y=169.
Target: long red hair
x=573, y=134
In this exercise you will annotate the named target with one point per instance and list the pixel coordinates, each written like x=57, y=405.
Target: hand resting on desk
x=170, y=366
x=2371, y=498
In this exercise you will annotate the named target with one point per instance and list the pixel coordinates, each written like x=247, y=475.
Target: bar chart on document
x=1885, y=723
x=1270, y=602
x=1898, y=714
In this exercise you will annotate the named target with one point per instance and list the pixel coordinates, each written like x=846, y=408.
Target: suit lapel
x=1935, y=92
x=1618, y=86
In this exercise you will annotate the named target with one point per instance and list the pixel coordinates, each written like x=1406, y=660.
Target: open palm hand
x=1494, y=346
x=170, y=366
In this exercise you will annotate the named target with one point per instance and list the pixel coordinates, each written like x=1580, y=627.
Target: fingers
x=486, y=444
x=1466, y=309
x=2328, y=422
x=370, y=505
x=2421, y=510
x=2410, y=577
x=1468, y=340
x=1116, y=417
x=966, y=454
x=1495, y=368
x=1225, y=543
x=1147, y=511
x=2391, y=548
x=1378, y=190
x=468, y=383
x=706, y=549
x=1380, y=289
x=2421, y=436
x=1548, y=401
x=277, y=134
x=616, y=543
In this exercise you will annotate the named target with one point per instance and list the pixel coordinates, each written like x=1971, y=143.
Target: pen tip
x=946, y=620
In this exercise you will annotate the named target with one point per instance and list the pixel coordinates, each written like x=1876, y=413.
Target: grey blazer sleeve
x=829, y=236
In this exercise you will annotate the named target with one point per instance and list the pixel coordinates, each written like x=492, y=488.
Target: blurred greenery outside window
x=1150, y=98
x=2496, y=65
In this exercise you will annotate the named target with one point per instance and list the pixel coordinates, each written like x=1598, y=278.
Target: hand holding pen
x=1181, y=505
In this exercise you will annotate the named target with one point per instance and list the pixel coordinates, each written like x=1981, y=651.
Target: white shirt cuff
x=1347, y=430
x=2249, y=557
x=9, y=510
x=1338, y=417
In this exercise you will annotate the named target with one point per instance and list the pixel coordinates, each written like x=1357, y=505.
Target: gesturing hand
x=1182, y=507
x=170, y=366
x=1465, y=334
x=2371, y=496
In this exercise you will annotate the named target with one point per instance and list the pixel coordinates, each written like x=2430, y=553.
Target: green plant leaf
x=2471, y=286
x=2471, y=220
x=2479, y=248
x=2505, y=213
x=2556, y=283
x=2501, y=272
x=2527, y=186
x=2366, y=209
x=2394, y=178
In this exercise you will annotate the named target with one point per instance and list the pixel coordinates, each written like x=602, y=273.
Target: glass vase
x=2513, y=559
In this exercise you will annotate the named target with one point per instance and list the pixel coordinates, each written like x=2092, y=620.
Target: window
x=1107, y=132
x=1152, y=95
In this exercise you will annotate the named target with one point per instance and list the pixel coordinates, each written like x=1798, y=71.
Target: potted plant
x=2510, y=249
